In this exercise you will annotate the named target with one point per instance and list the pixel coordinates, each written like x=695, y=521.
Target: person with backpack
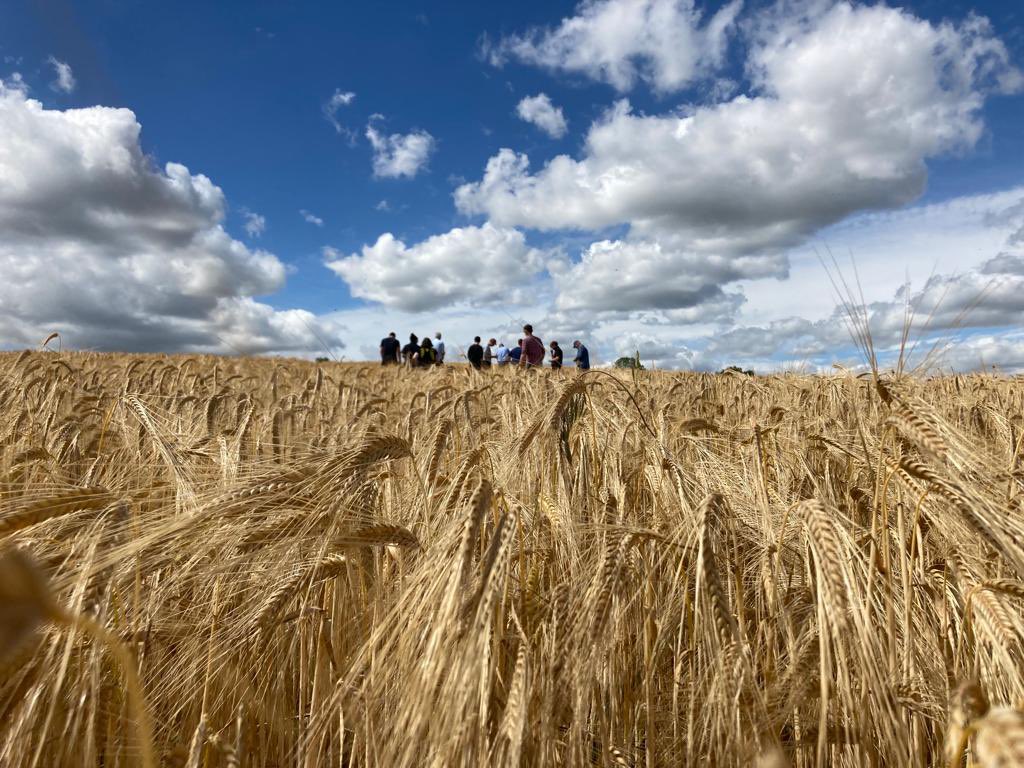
x=475, y=353
x=428, y=355
x=532, y=354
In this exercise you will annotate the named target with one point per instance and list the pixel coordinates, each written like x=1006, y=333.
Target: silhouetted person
x=428, y=355
x=556, y=356
x=411, y=351
x=475, y=353
x=389, y=348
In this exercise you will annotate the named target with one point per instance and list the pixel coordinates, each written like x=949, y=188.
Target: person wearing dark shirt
x=389, y=347
x=516, y=353
x=411, y=351
x=475, y=353
x=533, y=349
x=556, y=356
x=428, y=355
x=582, y=356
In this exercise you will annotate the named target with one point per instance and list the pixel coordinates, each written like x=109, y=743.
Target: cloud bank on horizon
x=685, y=229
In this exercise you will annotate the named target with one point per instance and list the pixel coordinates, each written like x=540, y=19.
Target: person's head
x=427, y=343
x=413, y=338
x=392, y=334
x=437, y=335
x=520, y=342
x=553, y=345
x=491, y=343
x=528, y=329
x=476, y=339
x=576, y=344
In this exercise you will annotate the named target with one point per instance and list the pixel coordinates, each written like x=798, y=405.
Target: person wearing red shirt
x=533, y=349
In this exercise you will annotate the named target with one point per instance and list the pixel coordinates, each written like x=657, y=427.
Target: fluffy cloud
x=629, y=276
x=114, y=253
x=849, y=103
x=255, y=224
x=311, y=218
x=542, y=113
x=468, y=265
x=1002, y=352
x=962, y=319
x=662, y=42
x=338, y=100
x=65, y=81
x=399, y=154
x=853, y=102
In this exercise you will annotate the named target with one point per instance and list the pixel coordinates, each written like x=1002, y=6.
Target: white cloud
x=662, y=42
x=65, y=81
x=953, y=312
x=542, y=113
x=99, y=244
x=310, y=218
x=631, y=276
x=255, y=224
x=338, y=100
x=15, y=82
x=720, y=192
x=828, y=137
x=399, y=154
x=382, y=205
x=469, y=265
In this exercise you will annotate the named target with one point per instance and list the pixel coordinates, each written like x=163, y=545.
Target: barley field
x=256, y=562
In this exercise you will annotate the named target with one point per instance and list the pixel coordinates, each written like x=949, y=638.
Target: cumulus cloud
x=961, y=317
x=255, y=224
x=827, y=137
x=331, y=107
x=745, y=179
x=311, y=218
x=467, y=265
x=539, y=111
x=665, y=43
x=98, y=243
x=629, y=276
x=950, y=320
x=399, y=154
x=65, y=81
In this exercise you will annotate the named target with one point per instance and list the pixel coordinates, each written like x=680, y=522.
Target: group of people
x=413, y=354
x=529, y=352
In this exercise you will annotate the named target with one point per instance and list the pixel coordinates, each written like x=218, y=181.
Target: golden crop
x=252, y=562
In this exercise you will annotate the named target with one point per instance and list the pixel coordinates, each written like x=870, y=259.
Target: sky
x=686, y=180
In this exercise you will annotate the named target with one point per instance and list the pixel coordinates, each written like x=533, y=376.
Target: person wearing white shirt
x=439, y=348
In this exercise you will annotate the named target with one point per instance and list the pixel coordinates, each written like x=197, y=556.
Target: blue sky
x=237, y=92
